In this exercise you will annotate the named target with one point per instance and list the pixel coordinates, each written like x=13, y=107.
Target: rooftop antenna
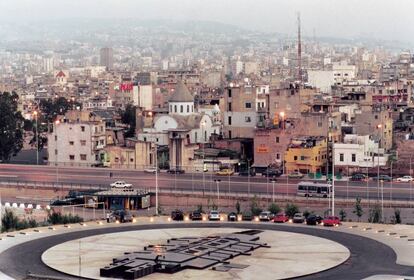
x=299, y=51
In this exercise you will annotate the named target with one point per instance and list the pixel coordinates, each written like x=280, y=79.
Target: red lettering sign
x=126, y=87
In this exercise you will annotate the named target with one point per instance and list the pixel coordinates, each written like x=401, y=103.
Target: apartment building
x=78, y=139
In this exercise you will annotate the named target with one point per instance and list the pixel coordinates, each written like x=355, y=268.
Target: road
x=368, y=257
x=193, y=182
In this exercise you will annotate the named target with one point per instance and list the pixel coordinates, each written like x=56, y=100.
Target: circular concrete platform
x=291, y=254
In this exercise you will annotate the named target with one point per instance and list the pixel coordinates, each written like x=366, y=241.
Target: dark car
x=314, y=220
x=232, y=217
x=271, y=173
x=122, y=216
x=247, y=216
x=175, y=171
x=245, y=172
x=358, y=177
x=177, y=215
x=385, y=178
x=196, y=216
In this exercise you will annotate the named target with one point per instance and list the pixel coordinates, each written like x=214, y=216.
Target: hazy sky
x=387, y=19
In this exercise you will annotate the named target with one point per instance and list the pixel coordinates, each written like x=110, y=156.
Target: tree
x=11, y=124
x=375, y=214
x=129, y=117
x=50, y=109
x=274, y=208
x=291, y=209
x=397, y=216
x=358, y=208
x=9, y=221
x=342, y=214
x=254, y=206
x=238, y=207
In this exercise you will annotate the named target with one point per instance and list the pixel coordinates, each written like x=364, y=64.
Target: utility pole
x=156, y=179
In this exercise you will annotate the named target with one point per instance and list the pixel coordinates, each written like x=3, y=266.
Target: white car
x=405, y=179
x=121, y=184
x=214, y=215
x=151, y=170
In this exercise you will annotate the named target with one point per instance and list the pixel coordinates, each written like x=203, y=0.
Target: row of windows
x=247, y=119
x=353, y=157
x=181, y=108
x=72, y=157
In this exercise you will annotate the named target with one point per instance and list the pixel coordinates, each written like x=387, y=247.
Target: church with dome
x=183, y=129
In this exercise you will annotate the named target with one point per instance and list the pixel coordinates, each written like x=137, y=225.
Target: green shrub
x=274, y=208
x=291, y=209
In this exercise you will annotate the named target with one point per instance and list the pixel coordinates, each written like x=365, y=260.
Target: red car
x=281, y=218
x=331, y=221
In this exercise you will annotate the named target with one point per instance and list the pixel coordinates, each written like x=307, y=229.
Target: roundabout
x=295, y=251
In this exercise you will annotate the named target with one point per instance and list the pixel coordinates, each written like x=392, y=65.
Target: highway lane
x=368, y=257
x=191, y=182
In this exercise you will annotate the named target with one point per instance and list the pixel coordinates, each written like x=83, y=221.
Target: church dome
x=181, y=94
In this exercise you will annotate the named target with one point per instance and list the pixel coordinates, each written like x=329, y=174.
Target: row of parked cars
x=265, y=216
x=357, y=177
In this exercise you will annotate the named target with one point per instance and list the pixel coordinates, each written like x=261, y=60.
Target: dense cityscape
x=157, y=123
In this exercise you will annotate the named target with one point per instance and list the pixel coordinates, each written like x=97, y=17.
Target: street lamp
x=379, y=126
x=382, y=200
x=37, y=139
x=273, y=180
x=203, y=124
x=156, y=179
x=57, y=122
x=218, y=191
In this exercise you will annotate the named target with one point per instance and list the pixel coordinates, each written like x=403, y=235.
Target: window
x=195, y=137
x=82, y=128
x=181, y=108
x=170, y=108
x=341, y=157
x=277, y=156
x=229, y=120
x=101, y=128
x=205, y=136
x=247, y=119
x=277, y=139
x=229, y=92
x=83, y=142
x=302, y=158
x=101, y=142
x=71, y=157
x=96, y=129
x=83, y=157
x=248, y=105
x=295, y=158
x=319, y=124
x=229, y=134
x=71, y=143
x=229, y=107
x=188, y=108
x=175, y=108
x=56, y=152
x=55, y=137
x=353, y=157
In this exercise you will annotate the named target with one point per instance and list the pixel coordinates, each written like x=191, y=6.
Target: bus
x=308, y=189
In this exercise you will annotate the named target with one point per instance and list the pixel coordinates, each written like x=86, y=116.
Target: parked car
x=121, y=184
x=225, y=172
x=331, y=221
x=177, y=215
x=298, y=218
x=405, y=179
x=122, y=216
x=266, y=216
x=271, y=173
x=196, y=216
x=175, y=171
x=385, y=178
x=314, y=219
x=245, y=172
x=247, y=216
x=281, y=218
x=214, y=215
x=358, y=177
x=296, y=174
x=151, y=170
x=232, y=217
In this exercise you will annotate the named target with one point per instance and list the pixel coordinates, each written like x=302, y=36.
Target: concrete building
x=107, y=58
x=77, y=140
x=306, y=155
x=142, y=96
x=358, y=152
